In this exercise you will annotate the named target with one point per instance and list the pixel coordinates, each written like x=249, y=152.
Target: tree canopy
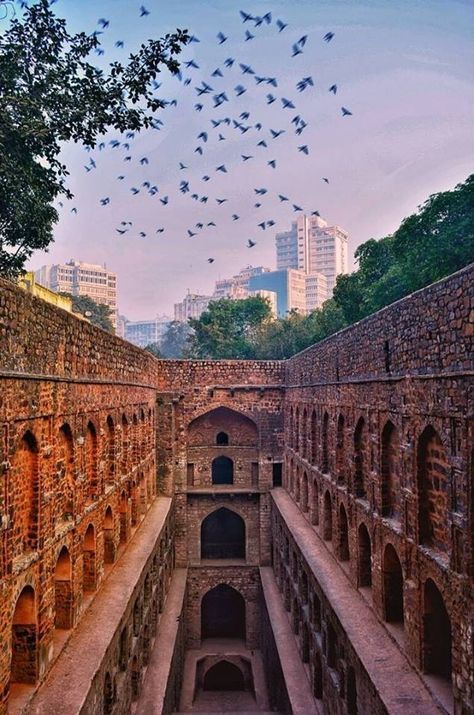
x=50, y=93
x=96, y=313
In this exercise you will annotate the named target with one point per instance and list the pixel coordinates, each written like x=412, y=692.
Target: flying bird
x=333, y=88
x=275, y=134
x=119, y=43
x=283, y=198
x=221, y=37
x=328, y=36
x=248, y=35
x=210, y=260
x=103, y=22
x=296, y=207
x=105, y=201
x=304, y=149
x=245, y=16
x=287, y=103
x=222, y=168
x=217, y=73
x=346, y=112
x=143, y=11
x=239, y=90
x=250, y=243
x=296, y=50
x=144, y=160
x=281, y=25
x=326, y=179
x=272, y=163
x=246, y=157
x=304, y=83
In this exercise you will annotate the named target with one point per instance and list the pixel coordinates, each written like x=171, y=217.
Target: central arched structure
x=222, y=470
x=222, y=426
x=223, y=535
x=224, y=676
x=223, y=613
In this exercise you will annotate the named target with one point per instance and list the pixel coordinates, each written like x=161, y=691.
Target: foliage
x=226, y=330
x=96, y=313
x=50, y=94
x=175, y=340
x=154, y=349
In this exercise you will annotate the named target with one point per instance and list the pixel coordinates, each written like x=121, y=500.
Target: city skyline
x=403, y=71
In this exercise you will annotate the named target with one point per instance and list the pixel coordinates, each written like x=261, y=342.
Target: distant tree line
x=432, y=243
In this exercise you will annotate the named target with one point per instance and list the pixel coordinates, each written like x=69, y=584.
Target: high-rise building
x=237, y=287
x=80, y=278
x=313, y=247
x=289, y=286
x=192, y=306
x=146, y=332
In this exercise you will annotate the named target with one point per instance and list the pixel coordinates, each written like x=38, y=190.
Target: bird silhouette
x=144, y=160
x=143, y=11
x=103, y=22
x=272, y=163
x=246, y=69
x=221, y=201
x=217, y=73
x=346, y=112
x=296, y=50
x=270, y=99
x=239, y=90
x=328, y=36
x=245, y=16
x=105, y=201
x=248, y=35
x=250, y=243
x=245, y=157
x=333, y=88
x=222, y=168
x=304, y=83
x=287, y=103
x=296, y=207
x=304, y=149
x=275, y=134
x=191, y=233
x=210, y=260
x=268, y=17
x=281, y=25
x=221, y=37
x=119, y=43
x=326, y=179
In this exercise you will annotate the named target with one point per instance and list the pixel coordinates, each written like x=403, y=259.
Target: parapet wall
x=425, y=333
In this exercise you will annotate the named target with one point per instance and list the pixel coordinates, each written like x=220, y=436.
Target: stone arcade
x=197, y=536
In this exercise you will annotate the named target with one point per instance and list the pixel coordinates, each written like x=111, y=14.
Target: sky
x=402, y=67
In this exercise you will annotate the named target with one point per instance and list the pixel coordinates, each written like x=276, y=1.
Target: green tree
x=96, y=313
x=227, y=328
x=50, y=94
x=154, y=349
x=175, y=340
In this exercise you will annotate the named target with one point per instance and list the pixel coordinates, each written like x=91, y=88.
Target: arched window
x=123, y=509
x=315, y=504
x=327, y=518
x=91, y=460
x=304, y=492
x=392, y=586
x=110, y=449
x=63, y=597
x=109, y=539
x=304, y=434
x=224, y=676
x=222, y=470
x=223, y=613
x=365, y=557
x=297, y=430
x=222, y=438
x=223, y=535
x=125, y=444
x=433, y=495
x=24, y=662
x=89, y=560
x=340, y=451
x=436, y=633
x=65, y=466
x=343, y=535
x=390, y=472
x=360, y=458
x=314, y=445
x=324, y=440
x=25, y=472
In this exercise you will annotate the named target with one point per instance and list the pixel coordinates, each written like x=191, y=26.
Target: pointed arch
x=63, y=597
x=324, y=444
x=223, y=535
x=91, y=446
x=327, y=518
x=223, y=613
x=314, y=438
x=89, y=560
x=24, y=662
x=437, y=637
x=343, y=534
x=110, y=447
x=25, y=471
x=360, y=458
x=433, y=490
x=240, y=429
x=392, y=586
x=364, y=565
x=390, y=471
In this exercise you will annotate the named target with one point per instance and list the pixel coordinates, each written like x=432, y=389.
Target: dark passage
x=223, y=613
x=224, y=676
x=223, y=535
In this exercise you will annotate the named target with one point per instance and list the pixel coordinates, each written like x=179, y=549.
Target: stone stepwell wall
x=425, y=333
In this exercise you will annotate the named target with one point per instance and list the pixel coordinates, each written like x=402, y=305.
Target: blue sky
x=403, y=67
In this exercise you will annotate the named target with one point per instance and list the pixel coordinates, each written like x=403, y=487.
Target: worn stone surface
x=374, y=427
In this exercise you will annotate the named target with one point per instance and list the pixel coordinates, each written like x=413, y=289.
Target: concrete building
x=223, y=536
x=79, y=278
x=237, y=287
x=270, y=296
x=295, y=290
x=313, y=247
x=145, y=332
x=192, y=306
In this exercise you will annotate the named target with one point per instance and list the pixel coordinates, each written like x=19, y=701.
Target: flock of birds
x=208, y=96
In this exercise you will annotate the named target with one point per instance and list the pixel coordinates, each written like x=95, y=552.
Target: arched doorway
x=327, y=518
x=223, y=535
x=433, y=492
x=123, y=515
x=223, y=613
x=109, y=542
x=304, y=492
x=222, y=470
x=436, y=633
x=324, y=440
x=343, y=535
x=224, y=676
x=222, y=438
x=390, y=472
x=90, y=446
x=360, y=458
x=365, y=557
x=63, y=590
x=392, y=586
x=24, y=663
x=89, y=560
x=25, y=471
x=340, y=451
